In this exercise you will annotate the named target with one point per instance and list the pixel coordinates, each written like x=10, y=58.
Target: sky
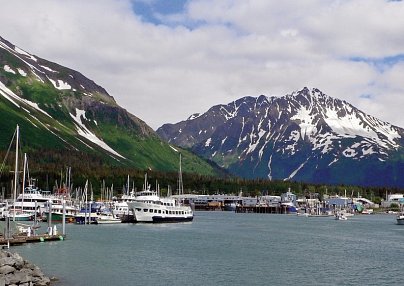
x=164, y=60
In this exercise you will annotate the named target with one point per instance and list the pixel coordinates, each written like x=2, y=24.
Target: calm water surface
x=225, y=248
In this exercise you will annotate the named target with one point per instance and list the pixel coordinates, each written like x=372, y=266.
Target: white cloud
x=218, y=51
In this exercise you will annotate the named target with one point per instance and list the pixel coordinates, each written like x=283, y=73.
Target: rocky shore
x=14, y=270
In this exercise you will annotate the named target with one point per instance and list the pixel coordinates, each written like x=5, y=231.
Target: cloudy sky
x=164, y=60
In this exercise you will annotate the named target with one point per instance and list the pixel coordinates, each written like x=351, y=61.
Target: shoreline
x=15, y=270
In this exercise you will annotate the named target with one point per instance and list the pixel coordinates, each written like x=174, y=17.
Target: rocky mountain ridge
x=304, y=136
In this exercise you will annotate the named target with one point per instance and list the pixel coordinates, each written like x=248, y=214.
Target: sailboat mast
x=127, y=186
x=16, y=167
x=180, y=184
x=23, y=181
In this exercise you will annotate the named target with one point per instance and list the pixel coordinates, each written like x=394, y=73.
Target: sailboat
x=61, y=203
x=14, y=213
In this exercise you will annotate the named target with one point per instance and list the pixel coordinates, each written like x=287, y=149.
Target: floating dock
x=17, y=240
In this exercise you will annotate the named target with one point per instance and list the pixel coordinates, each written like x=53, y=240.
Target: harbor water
x=226, y=248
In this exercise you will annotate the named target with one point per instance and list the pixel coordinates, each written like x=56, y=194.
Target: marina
x=227, y=248
x=285, y=116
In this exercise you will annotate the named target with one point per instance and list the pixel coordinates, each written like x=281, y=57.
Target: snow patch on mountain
x=60, y=84
x=297, y=170
x=22, y=72
x=11, y=96
x=194, y=116
x=307, y=128
x=18, y=55
x=47, y=68
x=270, y=168
x=7, y=68
x=86, y=133
x=24, y=53
x=228, y=114
x=254, y=143
x=173, y=148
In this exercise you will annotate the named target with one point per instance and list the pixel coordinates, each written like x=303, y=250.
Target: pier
x=18, y=240
x=28, y=233
x=275, y=209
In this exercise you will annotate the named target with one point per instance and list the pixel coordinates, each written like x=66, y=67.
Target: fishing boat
x=56, y=205
x=88, y=214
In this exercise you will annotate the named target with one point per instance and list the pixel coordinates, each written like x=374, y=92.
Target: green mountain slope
x=63, y=112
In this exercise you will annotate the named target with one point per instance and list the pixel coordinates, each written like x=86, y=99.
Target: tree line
x=49, y=168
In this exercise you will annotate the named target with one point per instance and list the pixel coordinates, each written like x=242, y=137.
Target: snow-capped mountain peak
x=289, y=137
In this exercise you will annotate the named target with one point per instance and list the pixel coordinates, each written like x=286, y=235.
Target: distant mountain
x=60, y=109
x=305, y=136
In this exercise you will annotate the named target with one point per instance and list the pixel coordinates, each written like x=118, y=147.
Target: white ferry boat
x=150, y=207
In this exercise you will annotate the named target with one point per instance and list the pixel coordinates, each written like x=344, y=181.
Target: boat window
x=145, y=210
x=159, y=211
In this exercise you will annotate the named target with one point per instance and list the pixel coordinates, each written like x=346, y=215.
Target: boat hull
x=81, y=219
x=57, y=217
x=22, y=218
x=160, y=219
x=229, y=207
x=109, y=221
x=400, y=220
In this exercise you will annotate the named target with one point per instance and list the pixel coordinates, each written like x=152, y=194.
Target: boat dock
x=276, y=209
x=18, y=240
x=26, y=233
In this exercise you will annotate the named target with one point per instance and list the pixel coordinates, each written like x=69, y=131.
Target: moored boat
x=400, y=218
x=340, y=216
x=57, y=205
x=107, y=218
x=20, y=216
x=149, y=207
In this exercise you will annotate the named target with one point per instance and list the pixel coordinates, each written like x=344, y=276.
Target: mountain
x=60, y=111
x=304, y=136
